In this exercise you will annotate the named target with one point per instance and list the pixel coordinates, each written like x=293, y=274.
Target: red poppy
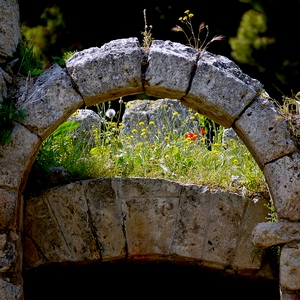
x=192, y=136
x=202, y=131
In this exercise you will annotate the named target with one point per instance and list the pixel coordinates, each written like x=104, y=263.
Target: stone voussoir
x=290, y=268
x=8, y=207
x=283, y=179
x=264, y=131
x=17, y=157
x=42, y=114
x=109, y=72
x=268, y=234
x=220, y=90
x=169, y=71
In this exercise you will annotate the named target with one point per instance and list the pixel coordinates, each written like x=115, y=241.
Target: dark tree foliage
x=87, y=24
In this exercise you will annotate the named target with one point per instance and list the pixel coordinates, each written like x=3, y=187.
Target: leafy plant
x=195, y=39
x=30, y=64
x=61, y=61
x=9, y=114
x=147, y=35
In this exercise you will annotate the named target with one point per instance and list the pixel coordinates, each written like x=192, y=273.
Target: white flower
x=110, y=113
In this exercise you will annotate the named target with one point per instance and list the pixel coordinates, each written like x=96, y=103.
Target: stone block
x=10, y=32
x=109, y=72
x=17, y=157
x=44, y=240
x=264, y=131
x=191, y=223
x=283, y=178
x=246, y=255
x=69, y=207
x=146, y=187
x=290, y=267
x=106, y=218
x=149, y=223
x=10, y=291
x=220, y=90
x=54, y=83
x=170, y=68
x=223, y=228
x=8, y=209
x=268, y=234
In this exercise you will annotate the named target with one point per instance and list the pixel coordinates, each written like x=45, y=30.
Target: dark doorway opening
x=135, y=280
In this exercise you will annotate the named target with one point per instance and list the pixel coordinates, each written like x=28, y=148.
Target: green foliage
x=30, y=63
x=249, y=38
x=9, y=114
x=44, y=38
x=61, y=61
x=195, y=40
x=184, y=155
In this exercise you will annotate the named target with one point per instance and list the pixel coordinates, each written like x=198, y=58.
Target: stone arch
x=210, y=84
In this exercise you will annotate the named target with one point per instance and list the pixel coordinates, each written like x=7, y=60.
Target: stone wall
x=210, y=84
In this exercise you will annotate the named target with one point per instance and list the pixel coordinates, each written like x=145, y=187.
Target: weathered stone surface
x=140, y=218
x=44, y=239
x=3, y=88
x=220, y=90
x=10, y=33
x=283, y=178
x=8, y=206
x=106, y=218
x=54, y=83
x=169, y=71
x=160, y=111
x=264, y=131
x=148, y=224
x=109, y=72
x=71, y=213
x=17, y=157
x=245, y=258
x=223, y=227
x=9, y=291
x=7, y=255
x=290, y=267
x=88, y=122
x=268, y=234
x=191, y=224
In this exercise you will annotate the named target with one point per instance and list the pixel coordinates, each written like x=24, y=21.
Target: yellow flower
x=235, y=161
x=187, y=11
x=144, y=129
x=167, y=139
x=184, y=18
x=134, y=131
x=180, y=19
x=141, y=123
x=140, y=144
x=167, y=156
x=151, y=123
x=175, y=113
x=192, y=118
x=191, y=15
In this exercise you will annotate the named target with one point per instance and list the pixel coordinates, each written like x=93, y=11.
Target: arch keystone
x=109, y=72
x=169, y=71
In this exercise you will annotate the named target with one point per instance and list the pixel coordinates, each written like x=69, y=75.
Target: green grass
x=153, y=150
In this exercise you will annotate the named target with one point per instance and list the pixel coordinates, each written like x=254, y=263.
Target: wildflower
x=167, y=139
x=134, y=131
x=121, y=100
x=167, y=156
x=151, y=123
x=192, y=118
x=110, y=113
x=191, y=15
x=175, y=113
x=202, y=131
x=187, y=11
x=140, y=144
x=191, y=136
x=141, y=123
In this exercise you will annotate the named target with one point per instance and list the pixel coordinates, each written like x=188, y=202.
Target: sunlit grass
x=167, y=151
